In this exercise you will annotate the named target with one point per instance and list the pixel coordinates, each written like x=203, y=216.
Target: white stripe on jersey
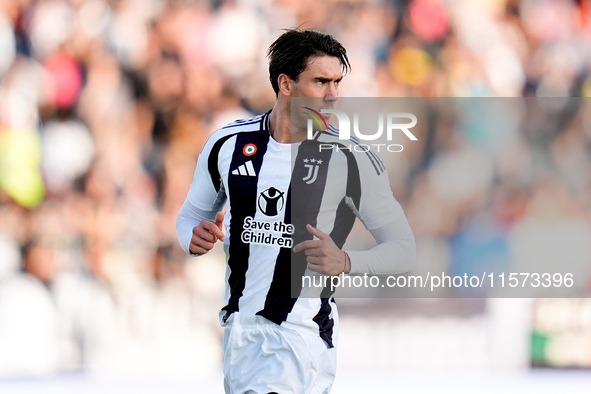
x=250, y=168
x=275, y=172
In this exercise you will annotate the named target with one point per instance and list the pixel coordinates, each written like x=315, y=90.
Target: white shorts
x=262, y=357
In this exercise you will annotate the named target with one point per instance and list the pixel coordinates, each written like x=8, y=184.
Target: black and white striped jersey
x=271, y=191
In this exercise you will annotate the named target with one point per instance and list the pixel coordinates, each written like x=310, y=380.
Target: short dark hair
x=290, y=52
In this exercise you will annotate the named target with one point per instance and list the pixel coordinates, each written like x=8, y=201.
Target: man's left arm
x=395, y=252
x=383, y=216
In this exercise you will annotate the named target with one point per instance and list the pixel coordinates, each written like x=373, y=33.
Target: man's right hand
x=206, y=234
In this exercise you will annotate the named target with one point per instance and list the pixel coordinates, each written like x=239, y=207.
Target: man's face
x=320, y=79
x=320, y=82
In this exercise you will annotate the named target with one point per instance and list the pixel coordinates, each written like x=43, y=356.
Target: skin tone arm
x=323, y=255
x=206, y=234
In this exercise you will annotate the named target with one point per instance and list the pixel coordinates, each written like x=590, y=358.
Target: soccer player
x=289, y=209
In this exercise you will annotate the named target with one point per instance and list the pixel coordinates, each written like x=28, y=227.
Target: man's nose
x=331, y=92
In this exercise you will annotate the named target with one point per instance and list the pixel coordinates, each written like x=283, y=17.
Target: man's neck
x=280, y=126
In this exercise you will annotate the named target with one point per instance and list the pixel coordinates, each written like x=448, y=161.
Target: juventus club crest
x=312, y=165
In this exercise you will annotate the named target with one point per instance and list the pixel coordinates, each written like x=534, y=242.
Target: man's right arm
x=199, y=222
x=198, y=230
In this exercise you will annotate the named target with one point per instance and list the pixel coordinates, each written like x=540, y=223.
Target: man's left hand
x=323, y=255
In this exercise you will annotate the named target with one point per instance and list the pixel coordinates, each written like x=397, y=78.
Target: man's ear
x=285, y=84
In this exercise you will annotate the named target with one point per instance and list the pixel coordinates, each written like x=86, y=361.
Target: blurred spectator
x=28, y=334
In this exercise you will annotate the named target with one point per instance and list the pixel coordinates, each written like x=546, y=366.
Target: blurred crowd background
x=105, y=104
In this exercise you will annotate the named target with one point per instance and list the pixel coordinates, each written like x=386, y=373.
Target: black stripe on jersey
x=323, y=319
x=303, y=203
x=212, y=161
x=242, y=190
x=377, y=163
x=345, y=218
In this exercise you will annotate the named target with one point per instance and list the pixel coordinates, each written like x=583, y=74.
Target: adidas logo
x=245, y=169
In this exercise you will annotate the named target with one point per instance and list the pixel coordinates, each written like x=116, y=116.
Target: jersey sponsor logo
x=246, y=169
x=249, y=149
x=271, y=201
x=312, y=165
x=267, y=233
